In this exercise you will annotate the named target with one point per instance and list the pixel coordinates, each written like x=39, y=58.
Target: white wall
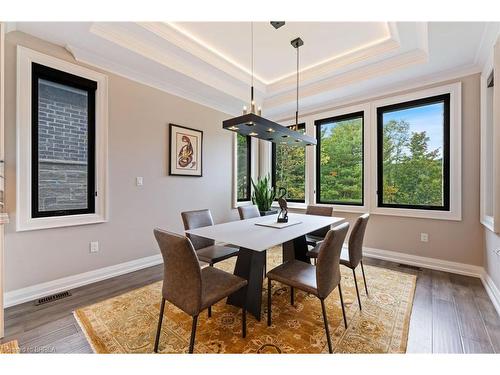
x=138, y=146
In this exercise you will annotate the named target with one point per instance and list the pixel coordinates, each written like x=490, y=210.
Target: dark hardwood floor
x=451, y=314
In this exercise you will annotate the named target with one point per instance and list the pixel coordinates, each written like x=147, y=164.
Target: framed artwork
x=186, y=146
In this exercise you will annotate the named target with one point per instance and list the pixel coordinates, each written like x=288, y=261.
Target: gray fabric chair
x=248, y=212
x=206, y=249
x=189, y=287
x=319, y=280
x=352, y=254
x=318, y=235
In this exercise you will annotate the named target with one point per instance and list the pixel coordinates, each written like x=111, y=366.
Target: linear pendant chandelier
x=252, y=124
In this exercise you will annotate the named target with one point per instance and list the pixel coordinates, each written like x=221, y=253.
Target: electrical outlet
x=139, y=181
x=94, y=247
x=424, y=237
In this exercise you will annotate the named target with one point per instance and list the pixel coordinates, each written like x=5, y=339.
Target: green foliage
x=341, y=159
x=413, y=175
x=263, y=193
x=291, y=171
x=242, y=167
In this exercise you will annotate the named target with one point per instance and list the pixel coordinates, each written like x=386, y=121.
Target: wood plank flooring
x=451, y=314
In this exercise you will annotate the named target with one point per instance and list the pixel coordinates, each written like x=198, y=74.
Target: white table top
x=245, y=233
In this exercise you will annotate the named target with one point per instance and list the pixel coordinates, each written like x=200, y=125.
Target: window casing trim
x=455, y=154
x=445, y=99
x=342, y=117
x=24, y=219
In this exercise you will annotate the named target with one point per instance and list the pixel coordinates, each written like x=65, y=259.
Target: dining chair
x=319, y=280
x=318, y=235
x=352, y=254
x=189, y=287
x=248, y=212
x=206, y=249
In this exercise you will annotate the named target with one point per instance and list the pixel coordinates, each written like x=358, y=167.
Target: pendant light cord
x=251, y=30
x=297, y=107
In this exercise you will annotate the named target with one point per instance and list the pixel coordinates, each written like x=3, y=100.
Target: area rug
x=11, y=347
x=127, y=323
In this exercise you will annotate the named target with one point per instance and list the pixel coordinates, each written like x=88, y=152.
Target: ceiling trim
x=86, y=57
x=396, y=88
x=181, y=38
x=362, y=73
x=217, y=80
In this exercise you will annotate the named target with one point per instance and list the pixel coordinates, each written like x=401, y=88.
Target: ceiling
x=210, y=62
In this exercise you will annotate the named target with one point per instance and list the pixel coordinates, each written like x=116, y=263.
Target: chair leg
x=342, y=304
x=357, y=290
x=193, y=334
x=210, y=307
x=327, y=330
x=160, y=320
x=268, y=302
x=244, y=322
x=364, y=278
x=292, y=295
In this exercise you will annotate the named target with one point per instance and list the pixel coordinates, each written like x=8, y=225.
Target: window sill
x=292, y=205
x=59, y=222
x=420, y=214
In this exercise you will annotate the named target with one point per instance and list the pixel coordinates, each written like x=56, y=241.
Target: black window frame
x=39, y=71
x=249, y=169
x=443, y=98
x=301, y=126
x=343, y=117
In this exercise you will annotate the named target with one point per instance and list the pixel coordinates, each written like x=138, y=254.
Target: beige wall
x=138, y=126
x=448, y=240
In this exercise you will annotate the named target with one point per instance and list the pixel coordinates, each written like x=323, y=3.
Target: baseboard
x=492, y=290
x=33, y=292
x=425, y=262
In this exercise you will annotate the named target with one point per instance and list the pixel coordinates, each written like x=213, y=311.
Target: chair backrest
x=356, y=237
x=328, y=263
x=198, y=219
x=248, y=212
x=320, y=211
x=181, y=271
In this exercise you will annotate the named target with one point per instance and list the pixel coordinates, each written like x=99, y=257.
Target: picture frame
x=185, y=152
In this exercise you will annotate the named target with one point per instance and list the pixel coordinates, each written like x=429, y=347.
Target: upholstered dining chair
x=319, y=280
x=318, y=235
x=189, y=287
x=248, y=212
x=352, y=254
x=206, y=249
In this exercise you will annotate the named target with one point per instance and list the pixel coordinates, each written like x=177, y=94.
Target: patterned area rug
x=127, y=323
x=11, y=347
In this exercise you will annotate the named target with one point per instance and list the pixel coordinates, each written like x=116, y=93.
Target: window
x=63, y=143
x=243, y=167
x=289, y=169
x=413, y=154
x=339, y=159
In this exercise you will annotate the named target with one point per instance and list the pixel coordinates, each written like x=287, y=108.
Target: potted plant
x=263, y=195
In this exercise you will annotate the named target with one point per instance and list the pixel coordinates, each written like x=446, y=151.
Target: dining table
x=254, y=237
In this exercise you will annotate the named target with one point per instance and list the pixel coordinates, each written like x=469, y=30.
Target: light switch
x=94, y=247
x=139, y=181
x=424, y=237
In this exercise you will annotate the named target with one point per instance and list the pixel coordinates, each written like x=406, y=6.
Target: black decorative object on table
x=283, y=214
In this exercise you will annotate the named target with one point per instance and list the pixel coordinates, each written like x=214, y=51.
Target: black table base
x=250, y=266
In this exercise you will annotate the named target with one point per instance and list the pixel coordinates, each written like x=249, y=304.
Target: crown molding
x=362, y=73
x=84, y=56
x=171, y=59
x=412, y=84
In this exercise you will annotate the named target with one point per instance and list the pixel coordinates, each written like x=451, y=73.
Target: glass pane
x=243, y=180
x=291, y=170
x=62, y=147
x=413, y=156
x=341, y=162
